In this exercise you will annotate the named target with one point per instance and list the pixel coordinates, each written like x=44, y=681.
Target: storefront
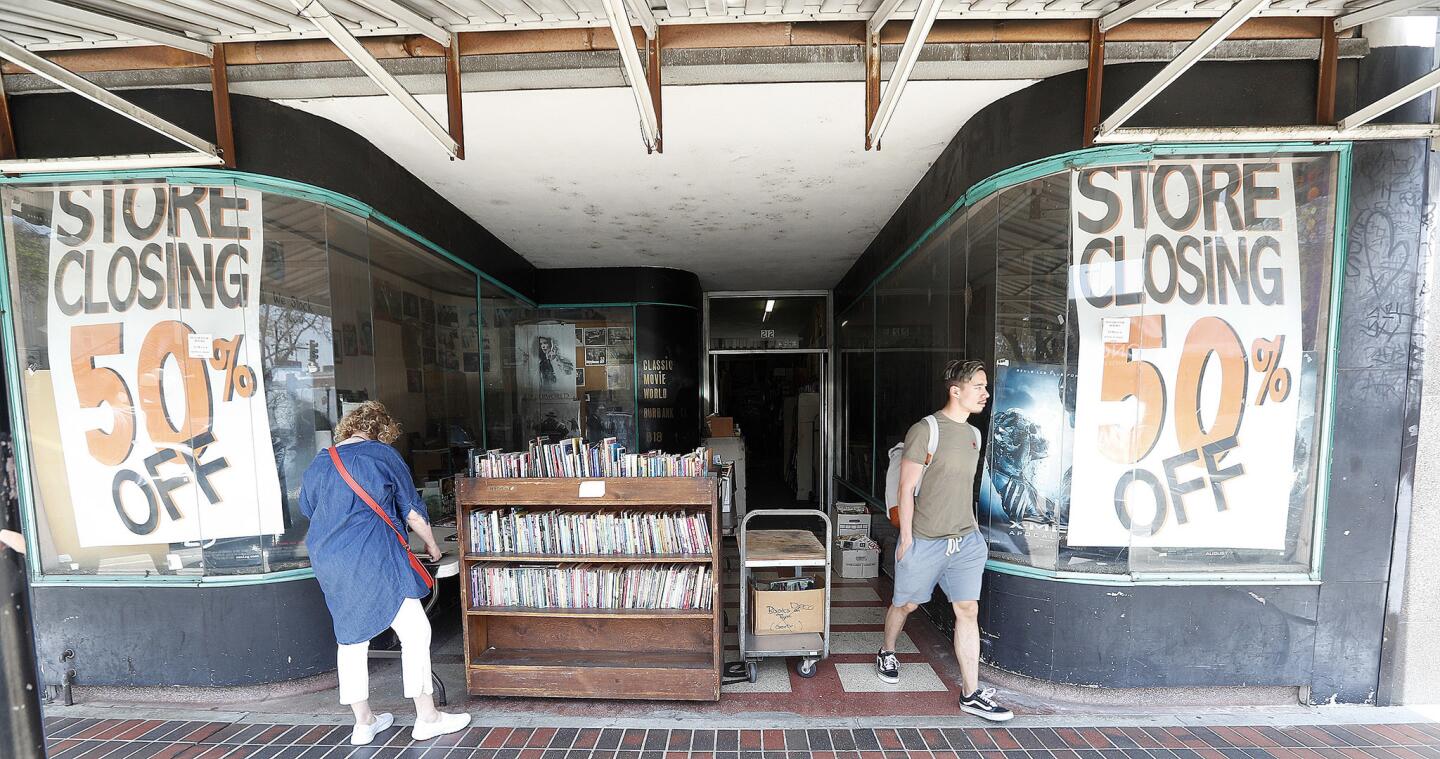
x=1199, y=364
x=180, y=344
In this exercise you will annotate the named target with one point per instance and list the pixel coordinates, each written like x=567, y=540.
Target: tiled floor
x=136, y=739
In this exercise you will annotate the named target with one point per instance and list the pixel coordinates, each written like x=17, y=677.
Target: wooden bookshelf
x=670, y=654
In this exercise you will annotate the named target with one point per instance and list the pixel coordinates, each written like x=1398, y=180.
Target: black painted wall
x=238, y=635
x=1325, y=638
x=276, y=141
x=667, y=344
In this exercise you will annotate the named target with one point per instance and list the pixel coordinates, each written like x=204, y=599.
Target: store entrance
x=774, y=400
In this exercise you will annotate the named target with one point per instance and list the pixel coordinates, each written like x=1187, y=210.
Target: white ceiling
x=761, y=186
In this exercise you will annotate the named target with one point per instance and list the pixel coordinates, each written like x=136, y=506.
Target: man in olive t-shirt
x=939, y=541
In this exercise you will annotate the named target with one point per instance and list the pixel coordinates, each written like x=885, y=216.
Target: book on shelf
x=624, y=533
x=592, y=586
x=576, y=458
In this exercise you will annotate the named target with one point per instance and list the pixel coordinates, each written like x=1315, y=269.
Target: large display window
x=186, y=348
x=1156, y=326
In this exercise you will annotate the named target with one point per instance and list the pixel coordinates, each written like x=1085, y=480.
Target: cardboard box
x=720, y=426
x=857, y=563
x=852, y=524
x=781, y=612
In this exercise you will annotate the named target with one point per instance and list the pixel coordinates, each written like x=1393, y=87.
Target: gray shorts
x=926, y=564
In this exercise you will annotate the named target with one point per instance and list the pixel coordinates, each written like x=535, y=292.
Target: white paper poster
x=1185, y=274
x=153, y=334
x=546, y=358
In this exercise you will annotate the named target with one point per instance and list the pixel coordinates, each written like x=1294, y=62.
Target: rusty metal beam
x=653, y=78
x=1329, y=70
x=680, y=36
x=872, y=84
x=454, y=103
x=7, y=129
x=220, y=96
x=1094, y=78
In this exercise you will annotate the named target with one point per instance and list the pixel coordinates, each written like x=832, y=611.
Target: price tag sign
x=201, y=346
x=592, y=489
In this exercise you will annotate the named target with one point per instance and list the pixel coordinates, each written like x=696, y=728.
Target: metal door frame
x=827, y=371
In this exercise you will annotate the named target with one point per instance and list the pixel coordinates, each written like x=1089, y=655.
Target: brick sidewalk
x=72, y=738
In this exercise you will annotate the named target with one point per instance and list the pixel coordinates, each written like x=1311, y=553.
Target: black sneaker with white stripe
x=982, y=704
x=887, y=667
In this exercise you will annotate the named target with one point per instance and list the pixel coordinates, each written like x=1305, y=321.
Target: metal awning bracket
x=634, y=72
x=202, y=152
x=316, y=11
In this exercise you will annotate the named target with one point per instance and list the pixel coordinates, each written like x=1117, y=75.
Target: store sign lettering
x=1185, y=278
x=164, y=441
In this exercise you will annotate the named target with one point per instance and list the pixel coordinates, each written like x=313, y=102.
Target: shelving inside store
x=549, y=650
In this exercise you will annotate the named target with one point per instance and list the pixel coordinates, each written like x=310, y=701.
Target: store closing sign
x=154, y=350
x=1186, y=283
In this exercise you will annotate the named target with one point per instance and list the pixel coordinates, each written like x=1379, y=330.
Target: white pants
x=413, y=629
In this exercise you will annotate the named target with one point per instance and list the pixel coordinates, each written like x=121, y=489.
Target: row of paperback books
x=592, y=586
x=576, y=458
x=598, y=533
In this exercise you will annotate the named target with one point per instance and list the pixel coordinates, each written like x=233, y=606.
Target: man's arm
x=910, y=472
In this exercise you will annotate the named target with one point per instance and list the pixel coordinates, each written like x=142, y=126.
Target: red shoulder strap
x=375, y=507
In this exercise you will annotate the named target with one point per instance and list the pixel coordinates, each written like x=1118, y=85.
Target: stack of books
x=628, y=533
x=592, y=586
x=576, y=458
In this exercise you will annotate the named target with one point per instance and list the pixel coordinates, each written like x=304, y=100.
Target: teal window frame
x=1115, y=154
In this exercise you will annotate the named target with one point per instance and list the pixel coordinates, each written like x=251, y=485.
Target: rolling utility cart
x=797, y=549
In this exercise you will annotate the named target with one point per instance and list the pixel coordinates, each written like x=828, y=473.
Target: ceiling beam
x=653, y=79
x=1218, y=31
x=1329, y=70
x=634, y=72
x=641, y=13
x=220, y=101
x=1126, y=12
x=1094, y=83
x=67, y=79
x=1392, y=101
x=1376, y=12
x=454, y=99
x=411, y=19
x=7, y=129
x=909, y=54
x=111, y=25
x=882, y=14
x=316, y=11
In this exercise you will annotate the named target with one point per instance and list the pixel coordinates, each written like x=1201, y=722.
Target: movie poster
x=545, y=371
x=1025, y=486
x=1186, y=280
x=154, y=343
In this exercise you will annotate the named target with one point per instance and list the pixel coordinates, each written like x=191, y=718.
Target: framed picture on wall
x=366, y=338
x=579, y=376
x=448, y=316
x=619, y=335
x=594, y=336
x=349, y=340
x=470, y=362
x=410, y=305
x=427, y=311
x=594, y=356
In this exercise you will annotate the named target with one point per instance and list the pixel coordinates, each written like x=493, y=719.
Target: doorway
x=767, y=368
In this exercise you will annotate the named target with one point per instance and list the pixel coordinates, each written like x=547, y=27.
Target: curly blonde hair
x=371, y=419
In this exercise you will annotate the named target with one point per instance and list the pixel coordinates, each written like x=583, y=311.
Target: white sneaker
x=363, y=734
x=448, y=723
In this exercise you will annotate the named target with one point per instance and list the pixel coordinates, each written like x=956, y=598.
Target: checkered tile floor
x=136, y=739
